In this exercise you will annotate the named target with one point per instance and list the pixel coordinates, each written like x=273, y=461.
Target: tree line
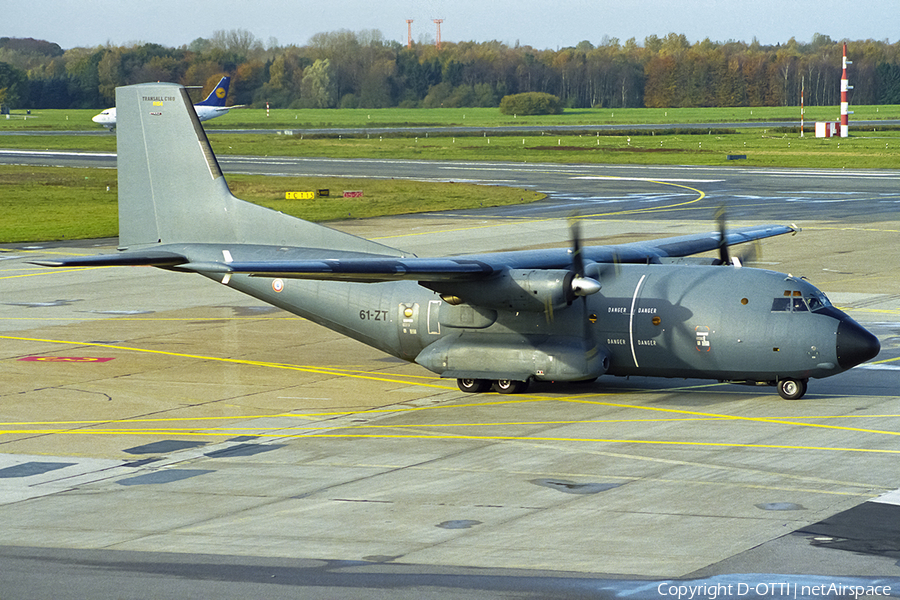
x=363, y=70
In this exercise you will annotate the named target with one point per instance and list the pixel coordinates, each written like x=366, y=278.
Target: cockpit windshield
x=818, y=301
x=795, y=302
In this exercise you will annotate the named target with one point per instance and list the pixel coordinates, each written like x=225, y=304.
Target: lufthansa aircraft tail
x=171, y=189
x=218, y=96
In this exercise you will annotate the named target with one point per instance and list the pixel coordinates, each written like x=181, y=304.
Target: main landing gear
x=791, y=389
x=501, y=386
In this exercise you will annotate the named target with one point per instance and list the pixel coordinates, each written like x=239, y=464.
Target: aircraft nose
x=855, y=344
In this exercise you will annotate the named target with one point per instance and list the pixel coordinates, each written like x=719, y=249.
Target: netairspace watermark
x=786, y=589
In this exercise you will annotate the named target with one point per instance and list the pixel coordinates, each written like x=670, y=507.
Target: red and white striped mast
x=845, y=127
x=802, y=93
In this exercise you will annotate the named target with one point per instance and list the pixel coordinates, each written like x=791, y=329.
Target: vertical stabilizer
x=171, y=189
x=218, y=96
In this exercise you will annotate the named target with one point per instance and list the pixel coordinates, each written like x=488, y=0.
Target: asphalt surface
x=163, y=436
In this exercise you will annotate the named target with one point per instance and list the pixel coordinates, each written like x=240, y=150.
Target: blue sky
x=537, y=23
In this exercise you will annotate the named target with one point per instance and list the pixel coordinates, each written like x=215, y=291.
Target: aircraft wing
x=474, y=267
x=686, y=245
x=375, y=268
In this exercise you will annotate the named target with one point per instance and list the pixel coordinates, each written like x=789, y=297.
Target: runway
x=160, y=430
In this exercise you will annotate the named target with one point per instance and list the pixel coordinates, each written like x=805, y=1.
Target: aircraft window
x=799, y=305
x=781, y=305
x=818, y=302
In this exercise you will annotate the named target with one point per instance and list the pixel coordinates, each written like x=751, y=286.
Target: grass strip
x=50, y=203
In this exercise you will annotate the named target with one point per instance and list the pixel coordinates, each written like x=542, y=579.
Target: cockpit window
x=792, y=302
x=781, y=305
x=818, y=301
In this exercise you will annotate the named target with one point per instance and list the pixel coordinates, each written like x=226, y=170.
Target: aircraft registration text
x=373, y=315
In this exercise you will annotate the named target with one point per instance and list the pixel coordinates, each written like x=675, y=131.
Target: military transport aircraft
x=211, y=107
x=495, y=320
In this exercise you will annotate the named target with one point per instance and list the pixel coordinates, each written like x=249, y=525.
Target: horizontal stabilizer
x=151, y=258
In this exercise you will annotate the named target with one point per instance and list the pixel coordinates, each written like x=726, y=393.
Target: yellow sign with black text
x=299, y=195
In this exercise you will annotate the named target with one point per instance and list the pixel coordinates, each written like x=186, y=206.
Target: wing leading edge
x=377, y=268
x=474, y=267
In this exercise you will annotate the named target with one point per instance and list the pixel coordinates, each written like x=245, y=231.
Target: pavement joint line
x=731, y=417
x=281, y=434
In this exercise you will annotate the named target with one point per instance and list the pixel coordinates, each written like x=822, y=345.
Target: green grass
x=48, y=203
x=775, y=147
x=72, y=119
x=869, y=147
x=491, y=117
x=51, y=204
x=762, y=148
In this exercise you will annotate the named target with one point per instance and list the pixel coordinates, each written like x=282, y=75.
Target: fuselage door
x=434, y=312
x=408, y=318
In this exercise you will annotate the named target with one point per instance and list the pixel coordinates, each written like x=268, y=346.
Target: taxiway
x=158, y=427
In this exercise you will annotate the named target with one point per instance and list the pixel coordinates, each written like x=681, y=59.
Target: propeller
x=581, y=284
x=749, y=255
x=723, y=245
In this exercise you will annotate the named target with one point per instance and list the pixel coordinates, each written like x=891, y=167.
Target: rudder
x=219, y=95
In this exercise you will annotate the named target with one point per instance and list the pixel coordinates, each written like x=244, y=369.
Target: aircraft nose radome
x=855, y=344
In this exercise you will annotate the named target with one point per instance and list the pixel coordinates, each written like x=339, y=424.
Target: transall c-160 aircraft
x=491, y=321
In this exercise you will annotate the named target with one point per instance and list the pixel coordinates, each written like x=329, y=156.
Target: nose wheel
x=791, y=389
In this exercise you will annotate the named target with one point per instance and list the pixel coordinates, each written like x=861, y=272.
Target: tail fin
x=172, y=191
x=219, y=94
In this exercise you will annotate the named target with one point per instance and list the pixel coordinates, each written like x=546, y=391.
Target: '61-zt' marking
x=373, y=315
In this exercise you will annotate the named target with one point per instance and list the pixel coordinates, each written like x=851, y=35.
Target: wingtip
x=46, y=263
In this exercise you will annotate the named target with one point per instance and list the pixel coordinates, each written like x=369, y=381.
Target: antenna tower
x=438, y=23
x=845, y=128
x=409, y=33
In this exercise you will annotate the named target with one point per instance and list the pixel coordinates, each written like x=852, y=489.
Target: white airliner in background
x=213, y=106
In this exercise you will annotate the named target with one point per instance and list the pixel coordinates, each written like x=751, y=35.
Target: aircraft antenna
x=438, y=23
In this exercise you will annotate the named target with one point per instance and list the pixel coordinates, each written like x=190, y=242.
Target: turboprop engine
x=532, y=290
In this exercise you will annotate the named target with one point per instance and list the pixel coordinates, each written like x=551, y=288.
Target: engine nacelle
x=515, y=289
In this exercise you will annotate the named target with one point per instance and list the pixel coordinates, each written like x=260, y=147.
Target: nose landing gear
x=791, y=389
